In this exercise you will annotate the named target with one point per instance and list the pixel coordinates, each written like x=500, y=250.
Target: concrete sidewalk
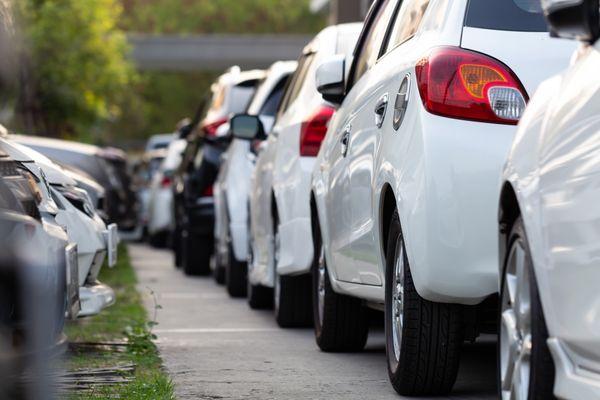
x=215, y=347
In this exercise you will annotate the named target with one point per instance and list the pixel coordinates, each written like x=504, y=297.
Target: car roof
x=61, y=144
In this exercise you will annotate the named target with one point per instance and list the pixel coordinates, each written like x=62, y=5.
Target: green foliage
x=126, y=319
x=76, y=60
x=161, y=99
x=220, y=16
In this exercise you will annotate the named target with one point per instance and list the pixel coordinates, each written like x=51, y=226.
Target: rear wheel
x=526, y=368
x=159, y=239
x=177, y=248
x=195, y=255
x=236, y=273
x=291, y=294
x=259, y=296
x=341, y=322
x=423, y=338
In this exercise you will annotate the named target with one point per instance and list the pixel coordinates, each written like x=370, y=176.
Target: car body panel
x=554, y=170
x=282, y=176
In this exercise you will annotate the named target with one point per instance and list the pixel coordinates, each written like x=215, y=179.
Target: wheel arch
x=508, y=212
x=386, y=210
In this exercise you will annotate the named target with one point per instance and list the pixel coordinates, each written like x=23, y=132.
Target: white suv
x=548, y=224
x=406, y=184
x=279, y=208
x=232, y=186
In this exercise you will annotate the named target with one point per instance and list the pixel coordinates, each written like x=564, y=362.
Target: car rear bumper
x=449, y=206
x=94, y=298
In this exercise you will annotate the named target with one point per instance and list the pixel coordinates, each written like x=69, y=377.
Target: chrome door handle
x=346, y=140
x=380, y=109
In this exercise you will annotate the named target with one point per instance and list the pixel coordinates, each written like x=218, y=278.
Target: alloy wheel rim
x=321, y=285
x=398, y=299
x=515, y=329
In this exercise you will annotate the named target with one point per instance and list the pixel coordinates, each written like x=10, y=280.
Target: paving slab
x=215, y=347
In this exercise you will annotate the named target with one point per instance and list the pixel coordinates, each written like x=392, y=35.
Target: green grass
x=125, y=320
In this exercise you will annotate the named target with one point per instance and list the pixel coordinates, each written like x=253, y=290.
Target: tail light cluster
x=166, y=182
x=464, y=84
x=208, y=191
x=313, y=130
x=210, y=129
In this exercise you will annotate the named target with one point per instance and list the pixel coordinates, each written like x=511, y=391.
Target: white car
x=160, y=141
x=406, y=184
x=231, y=93
x=160, y=203
x=232, y=186
x=548, y=224
x=279, y=200
x=73, y=210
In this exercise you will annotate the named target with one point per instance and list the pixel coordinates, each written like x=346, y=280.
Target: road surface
x=215, y=347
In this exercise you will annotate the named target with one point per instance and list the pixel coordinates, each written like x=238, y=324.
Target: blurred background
x=117, y=71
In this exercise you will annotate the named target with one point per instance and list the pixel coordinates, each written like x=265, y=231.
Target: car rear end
x=473, y=95
x=299, y=145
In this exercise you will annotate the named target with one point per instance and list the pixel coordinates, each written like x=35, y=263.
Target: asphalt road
x=215, y=347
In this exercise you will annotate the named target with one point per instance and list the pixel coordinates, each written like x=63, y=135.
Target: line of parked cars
x=60, y=205
x=437, y=163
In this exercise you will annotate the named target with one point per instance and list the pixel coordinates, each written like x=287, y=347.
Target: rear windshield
x=506, y=15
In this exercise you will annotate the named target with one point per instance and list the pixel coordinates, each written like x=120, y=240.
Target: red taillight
x=313, y=131
x=463, y=84
x=166, y=182
x=208, y=191
x=210, y=129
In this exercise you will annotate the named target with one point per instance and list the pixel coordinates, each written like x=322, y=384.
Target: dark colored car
x=194, y=204
x=193, y=237
x=108, y=167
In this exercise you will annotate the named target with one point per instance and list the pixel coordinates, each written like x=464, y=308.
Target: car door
x=350, y=174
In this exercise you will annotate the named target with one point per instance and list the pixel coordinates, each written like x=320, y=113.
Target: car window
x=407, y=21
x=506, y=15
x=370, y=45
x=272, y=103
x=293, y=88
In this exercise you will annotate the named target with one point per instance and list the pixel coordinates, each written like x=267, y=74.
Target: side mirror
x=331, y=79
x=247, y=127
x=573, y=19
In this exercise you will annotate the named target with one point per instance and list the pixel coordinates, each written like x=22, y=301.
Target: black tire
x=542, y=370
x=158, y=240
x=260, y=297
x=195, y=255
x=219, y=272
x=177, y=248
x=432, y=333
x=293, y=307
x=344, y=326
x=236, y=273
x=291, y=295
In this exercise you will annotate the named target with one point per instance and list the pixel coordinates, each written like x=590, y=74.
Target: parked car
x=193, y=240
x=279, y=200
x=160, y=203
x=93, y=189
x=233, y=185
x=144, y=171
x=108, y=167
x=73, y=210
x=160, y=141
x=405, y=187
x=35, y=290
x=549, y=342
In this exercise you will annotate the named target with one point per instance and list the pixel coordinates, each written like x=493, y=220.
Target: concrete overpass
x=213, y=52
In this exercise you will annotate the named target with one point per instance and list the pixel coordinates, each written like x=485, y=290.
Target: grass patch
x=125, y=320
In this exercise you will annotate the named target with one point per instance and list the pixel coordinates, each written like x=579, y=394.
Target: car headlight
x=79, y=199
x=23, y=185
